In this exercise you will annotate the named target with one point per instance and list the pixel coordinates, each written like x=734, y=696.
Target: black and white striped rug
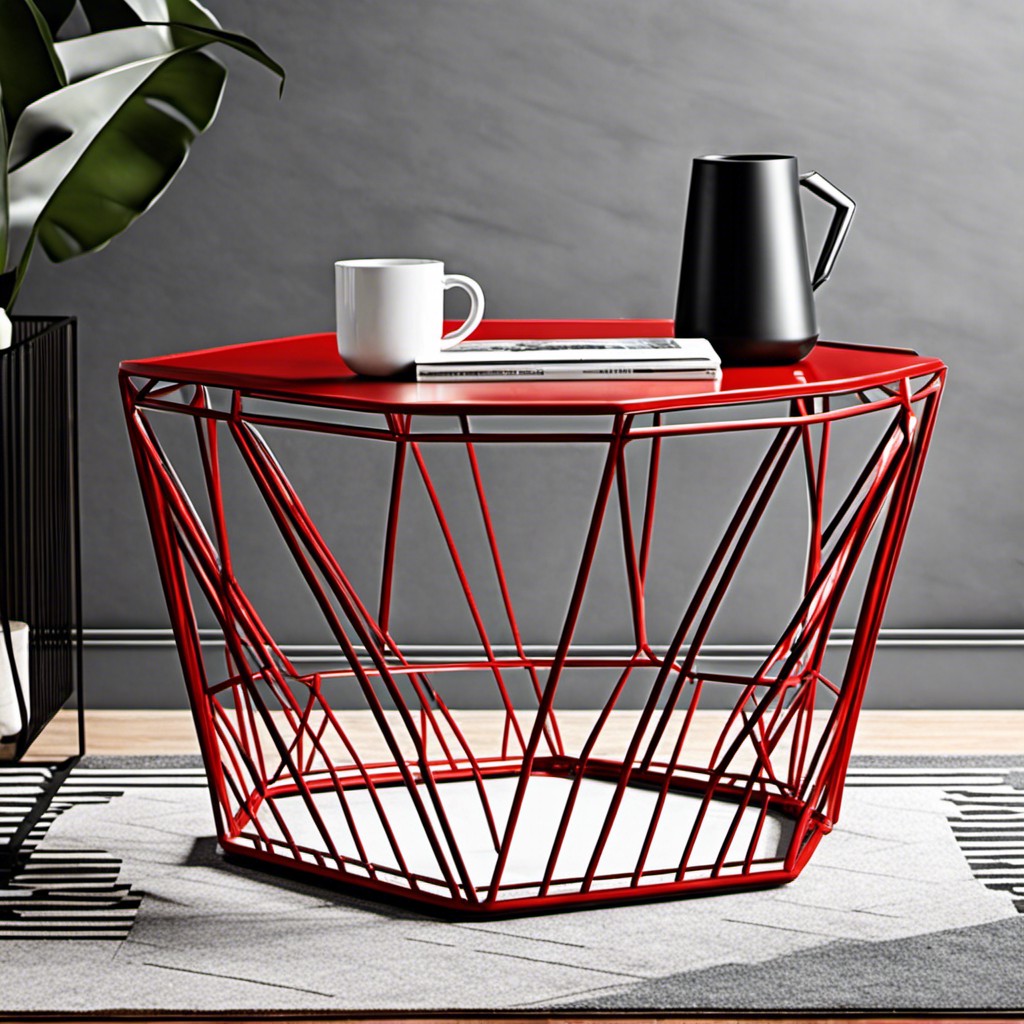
x=79, y=893
x=62, y=892
x=925, y=847
x=987, y=816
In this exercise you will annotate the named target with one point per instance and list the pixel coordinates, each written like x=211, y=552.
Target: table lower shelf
x=390, y=838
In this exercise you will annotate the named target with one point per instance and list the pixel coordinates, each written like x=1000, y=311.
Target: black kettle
x=744, y=283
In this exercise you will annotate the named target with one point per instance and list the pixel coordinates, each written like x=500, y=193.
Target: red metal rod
x=252, y=454
x=650, y=499
x=883, y=571
x=728, y=571
x=198, y=552
x=329, y=566
x=552, y=736
x=621, y=424
x=633, y=574
x=738, y=532
x=175, y=589
x=582, y=763
x=460, y=572
x=387, y=577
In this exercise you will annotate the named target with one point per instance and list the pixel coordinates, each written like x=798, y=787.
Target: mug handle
x=824, y=189
x=476, y=306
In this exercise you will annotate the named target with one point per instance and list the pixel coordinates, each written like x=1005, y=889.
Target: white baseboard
x=907, y=639
x=912, y=668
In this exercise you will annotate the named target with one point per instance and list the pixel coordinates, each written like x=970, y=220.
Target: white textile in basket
x=10, y=714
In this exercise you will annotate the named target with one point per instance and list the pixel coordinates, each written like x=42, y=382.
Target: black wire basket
x=40, y=575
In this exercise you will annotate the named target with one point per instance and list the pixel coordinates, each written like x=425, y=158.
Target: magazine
x=574, y=359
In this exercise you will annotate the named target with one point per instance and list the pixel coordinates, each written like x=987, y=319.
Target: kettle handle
x=824, y=189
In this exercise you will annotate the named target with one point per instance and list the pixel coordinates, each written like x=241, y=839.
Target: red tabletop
x=308, y=369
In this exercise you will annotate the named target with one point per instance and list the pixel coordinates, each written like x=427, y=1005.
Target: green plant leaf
x=126, y=134
x=56, y=12
x=189, y=12
x=86, y=159
x=29, y=67
x=106, y=15
x=189, y=35
x=103, y=51
x=190, y=23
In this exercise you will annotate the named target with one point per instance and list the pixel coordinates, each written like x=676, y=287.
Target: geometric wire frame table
x=366, y=775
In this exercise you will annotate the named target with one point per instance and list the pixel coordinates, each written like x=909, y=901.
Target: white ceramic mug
x=391, y=312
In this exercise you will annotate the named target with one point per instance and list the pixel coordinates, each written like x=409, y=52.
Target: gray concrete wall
x=544, y=148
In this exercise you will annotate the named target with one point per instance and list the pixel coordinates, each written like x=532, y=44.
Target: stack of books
x=574, y=359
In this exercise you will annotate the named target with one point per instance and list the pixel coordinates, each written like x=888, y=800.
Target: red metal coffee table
x=363, y=763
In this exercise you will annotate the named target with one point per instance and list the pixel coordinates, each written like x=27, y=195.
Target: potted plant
x=95, y=124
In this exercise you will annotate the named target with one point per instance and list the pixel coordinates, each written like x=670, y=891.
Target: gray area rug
x=914, y=902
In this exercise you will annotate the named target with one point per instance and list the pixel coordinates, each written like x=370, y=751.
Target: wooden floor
x=878, y=732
